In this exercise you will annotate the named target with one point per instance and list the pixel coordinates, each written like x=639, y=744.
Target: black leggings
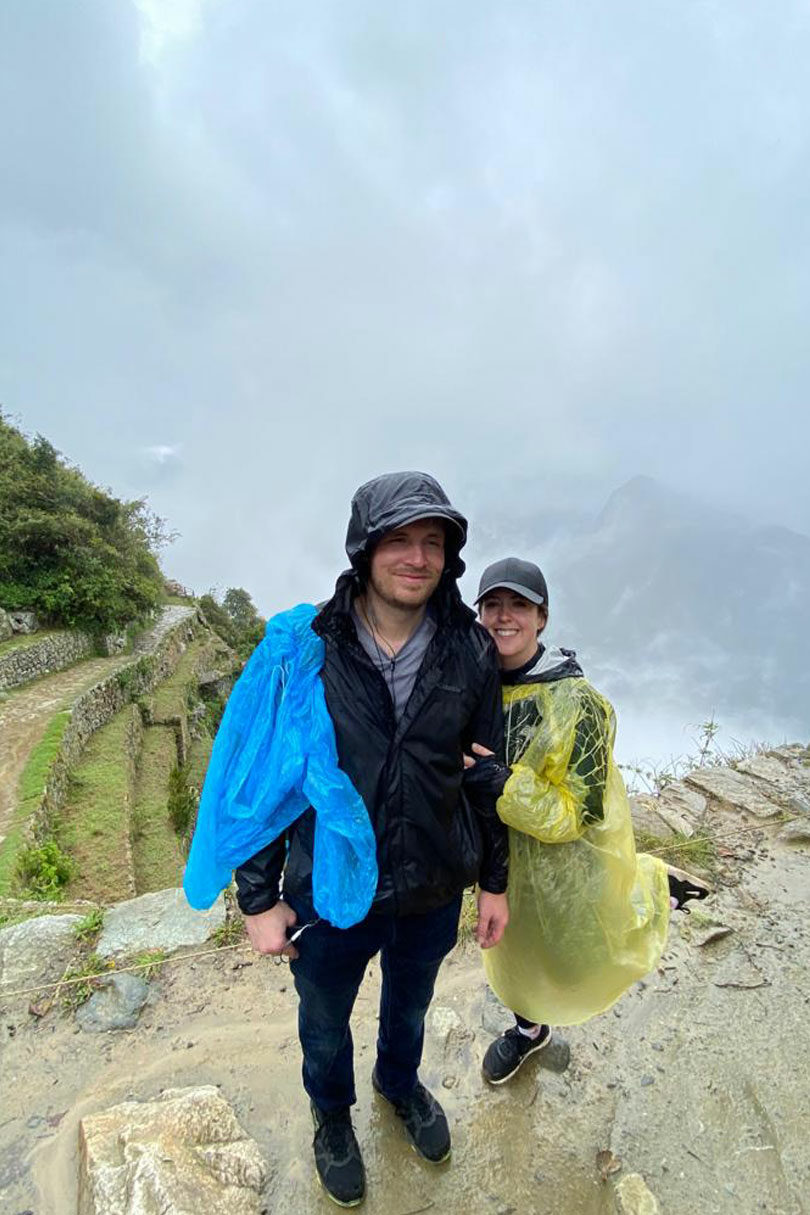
x=523, y=1023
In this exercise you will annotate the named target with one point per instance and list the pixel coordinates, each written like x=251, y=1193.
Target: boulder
x=634, y=1197
x=680, y=807
x=160, y=920
x=733, y=790
x=786, y=776
x=182, y=1154
x=36, y=951
x=6, y=629
x=645, y=816
x=116, y=1004
x=24, y=622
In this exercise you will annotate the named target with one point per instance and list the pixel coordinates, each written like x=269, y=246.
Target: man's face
x=407, y=563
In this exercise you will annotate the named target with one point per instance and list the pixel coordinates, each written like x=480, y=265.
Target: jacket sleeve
x=486, y=728
x=258, y=879
x=559, y=811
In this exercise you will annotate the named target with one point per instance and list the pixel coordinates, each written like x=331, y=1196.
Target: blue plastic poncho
x=274, y=755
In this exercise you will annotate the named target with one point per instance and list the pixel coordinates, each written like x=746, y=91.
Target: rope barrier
x=245, y=946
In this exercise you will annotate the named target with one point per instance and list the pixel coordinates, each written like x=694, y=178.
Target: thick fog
x=253, y=254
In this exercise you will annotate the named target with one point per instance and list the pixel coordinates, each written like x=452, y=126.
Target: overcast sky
x=255, y=252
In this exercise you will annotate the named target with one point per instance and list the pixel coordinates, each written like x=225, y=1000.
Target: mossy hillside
x=94, y=827
x=32, y=783
x=157, y=852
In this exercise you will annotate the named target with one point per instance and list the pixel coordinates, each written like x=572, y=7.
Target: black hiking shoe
x=423, y=1119
x=684, y=886
x=337, y=1156
x=506, y=1054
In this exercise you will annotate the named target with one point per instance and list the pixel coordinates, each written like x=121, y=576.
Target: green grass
x=171, y=697
x=89, y=970
x=468, y=918
x=25, y=641
x=684, y=851
x=199, y=753
x=157, y=853
x=29, y=794
x=230, y=932
x=89, y=926
x=149, y=961
x=94, y=825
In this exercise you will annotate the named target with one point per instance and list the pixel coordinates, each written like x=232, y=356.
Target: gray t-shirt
x=400, y=671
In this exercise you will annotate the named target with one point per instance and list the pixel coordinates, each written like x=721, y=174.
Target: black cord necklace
x=390, y=659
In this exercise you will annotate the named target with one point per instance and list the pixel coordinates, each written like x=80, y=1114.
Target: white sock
x=532, y=1033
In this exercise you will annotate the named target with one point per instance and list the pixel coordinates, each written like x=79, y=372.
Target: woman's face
x=513, y=623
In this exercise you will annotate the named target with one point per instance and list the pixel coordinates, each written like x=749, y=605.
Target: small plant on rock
x=80, y=981
x=149, y=961
x=90, y=926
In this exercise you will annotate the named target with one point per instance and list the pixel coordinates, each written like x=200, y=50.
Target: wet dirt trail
x=25, y=716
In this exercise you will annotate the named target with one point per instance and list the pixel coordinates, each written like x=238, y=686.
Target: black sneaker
x=423, y=1119
x=506, y=1054
x=337, y=1156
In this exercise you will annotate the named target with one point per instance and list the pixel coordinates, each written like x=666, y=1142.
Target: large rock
x=733, y=790
x=24, y=622
x=634, y=1197
x=681, y=808
x=36, y=951
x=116, y=1004
x=183, y=1154
x=645, y=816
x=6, y=630
x=785, y=776
x=161, y=920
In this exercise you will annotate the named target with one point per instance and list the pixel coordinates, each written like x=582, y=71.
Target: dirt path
x=26, y=713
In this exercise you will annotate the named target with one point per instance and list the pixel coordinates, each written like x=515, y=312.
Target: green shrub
x=182, y=800
x=44, y=871
x=76, y=555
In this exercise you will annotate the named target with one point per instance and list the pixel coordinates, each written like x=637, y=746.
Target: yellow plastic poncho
x=588, y=915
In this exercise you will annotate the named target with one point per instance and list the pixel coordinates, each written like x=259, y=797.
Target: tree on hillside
x=235, y=619
x=74, y=554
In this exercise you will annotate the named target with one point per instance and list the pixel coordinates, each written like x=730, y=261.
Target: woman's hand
x=469, y=762
x=493, y=916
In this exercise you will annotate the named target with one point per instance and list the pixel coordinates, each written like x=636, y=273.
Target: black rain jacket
x=433, y=836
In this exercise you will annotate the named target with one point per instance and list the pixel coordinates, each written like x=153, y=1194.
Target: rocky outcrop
x=44, y=656
x=160, y=920
x=689, y=1094
x=181, y=1154
x=36, y=951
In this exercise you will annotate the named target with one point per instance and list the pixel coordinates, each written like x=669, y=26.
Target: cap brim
x=532, y=596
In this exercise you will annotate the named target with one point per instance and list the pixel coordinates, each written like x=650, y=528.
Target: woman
x=588, y=915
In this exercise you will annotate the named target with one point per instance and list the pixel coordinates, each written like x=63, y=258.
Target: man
x=411, y=682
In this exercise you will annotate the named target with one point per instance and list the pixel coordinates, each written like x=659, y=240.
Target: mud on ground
x=697, y=1079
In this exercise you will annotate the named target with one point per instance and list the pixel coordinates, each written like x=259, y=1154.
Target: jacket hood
x=391, y=501
x=552, y=664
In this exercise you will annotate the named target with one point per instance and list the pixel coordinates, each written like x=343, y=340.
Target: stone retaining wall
x=98, y=706
x=45, y=657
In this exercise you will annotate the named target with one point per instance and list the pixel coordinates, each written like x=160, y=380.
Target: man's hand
x=493, y=916
x=268, y=930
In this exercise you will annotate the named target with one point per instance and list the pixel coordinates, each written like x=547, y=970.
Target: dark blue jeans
x=328, y=972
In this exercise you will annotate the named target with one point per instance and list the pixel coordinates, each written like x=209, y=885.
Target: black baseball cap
x=523, y=577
